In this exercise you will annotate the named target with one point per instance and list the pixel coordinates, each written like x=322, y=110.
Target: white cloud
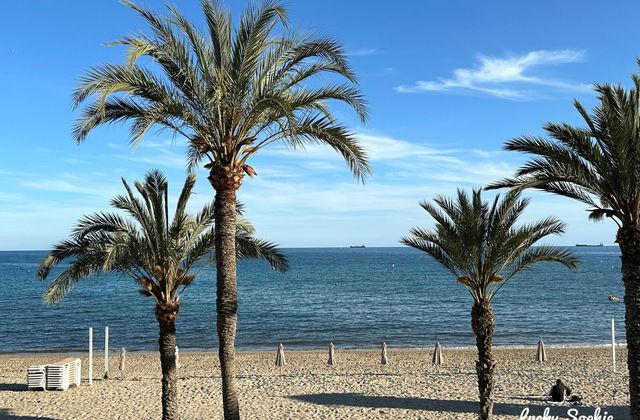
x=160, y=153
x=277, y=172
x=10, y=197
x=385, y=148
x=162, y=160
x=403, y=173
x=380, y=150
x=504, y=77
x=323, y=166
x=62, y=186
x=156, y=154
x=363, y=51
x=118, y=146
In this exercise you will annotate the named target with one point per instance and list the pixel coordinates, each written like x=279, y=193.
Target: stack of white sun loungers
x=55, y=376
x=37, y=377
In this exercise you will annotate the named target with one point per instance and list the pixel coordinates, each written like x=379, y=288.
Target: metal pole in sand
x=90, y=355
x=613, y=344
x=106, y=353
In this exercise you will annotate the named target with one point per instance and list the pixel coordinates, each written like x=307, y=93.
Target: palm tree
x=481, y=246
x=229, y=93
x=163, y=256
x=598, y=165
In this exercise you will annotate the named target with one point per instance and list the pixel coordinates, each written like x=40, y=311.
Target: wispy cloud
x=505, y=77
x=416, y=165
x=379, y=148
x=363, y=51
x=162, y=160
x=10, y=197
x=72, y=187
x=161, y=153
x=385, y=148
x=146, y=144
x=323, y=166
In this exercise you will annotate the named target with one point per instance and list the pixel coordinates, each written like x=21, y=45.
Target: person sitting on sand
x=559, y=392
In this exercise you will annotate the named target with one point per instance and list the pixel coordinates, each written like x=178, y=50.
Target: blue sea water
x=354, y=297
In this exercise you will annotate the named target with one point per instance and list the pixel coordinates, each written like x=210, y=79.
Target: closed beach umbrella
x=384, y=359
x=123, y=356
x=177, y=358
x=437, y=355
x=332, y=355
x=541, y=355
x=280, y=361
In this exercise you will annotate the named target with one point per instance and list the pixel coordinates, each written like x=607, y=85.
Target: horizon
x=284, y=248
x=442, y=104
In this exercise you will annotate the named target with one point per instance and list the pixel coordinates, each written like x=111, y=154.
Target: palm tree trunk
x=226, y=182
x=166, y=316
x=483, y=324
x=628, y=239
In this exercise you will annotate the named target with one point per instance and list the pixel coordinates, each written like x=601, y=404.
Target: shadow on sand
x=13, y=387
x=6, y=414
x=453, y=406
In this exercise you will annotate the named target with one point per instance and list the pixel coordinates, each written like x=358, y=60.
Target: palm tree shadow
x=449, y=406
x=7, y=414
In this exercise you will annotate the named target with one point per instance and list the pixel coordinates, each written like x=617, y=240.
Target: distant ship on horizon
x=600, y=244
x=357, y=246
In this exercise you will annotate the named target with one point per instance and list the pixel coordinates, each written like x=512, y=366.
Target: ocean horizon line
x=353, y=246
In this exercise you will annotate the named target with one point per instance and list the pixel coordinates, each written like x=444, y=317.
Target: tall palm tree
x=598, y=165
x=229, y=93
x=163, y=256
x=481, y=246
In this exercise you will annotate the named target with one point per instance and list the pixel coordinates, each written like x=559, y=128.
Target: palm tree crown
x=155, y=251
x=230, y=93
x=480, y=244
x=598, y=165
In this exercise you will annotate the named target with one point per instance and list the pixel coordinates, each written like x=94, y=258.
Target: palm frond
x=480, y=244
x=249, y=247
x=223, y=87
x=594, y=164
x=154, y=251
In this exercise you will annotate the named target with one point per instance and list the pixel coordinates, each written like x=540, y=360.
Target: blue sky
x=447, y=83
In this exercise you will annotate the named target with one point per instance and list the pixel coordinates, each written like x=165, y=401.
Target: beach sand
x=358, y=387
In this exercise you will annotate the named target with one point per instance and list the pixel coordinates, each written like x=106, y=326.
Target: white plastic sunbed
x=58, y=376
x=37, y=377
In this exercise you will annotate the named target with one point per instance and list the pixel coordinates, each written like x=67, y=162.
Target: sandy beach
x=358, y=387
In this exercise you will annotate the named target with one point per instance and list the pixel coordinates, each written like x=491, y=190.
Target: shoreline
x=98, y=350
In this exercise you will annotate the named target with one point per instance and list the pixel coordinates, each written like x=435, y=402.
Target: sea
x=354, y=297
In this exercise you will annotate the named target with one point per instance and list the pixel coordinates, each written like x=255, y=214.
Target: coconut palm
x=480, y=245
x=598, y=165
x=162, y=256
x=229, y=93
